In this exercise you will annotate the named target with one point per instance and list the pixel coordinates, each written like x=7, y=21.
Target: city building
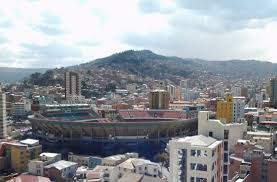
x=22, y=152
x=61, y=171
x=196, y=158
x=229, y=133
x=190, y=94
x=231, y=110
x=18, y=110
x=140, y=166
x=236, y=91
x=3, y=128
x=103, y=173
x=29, y=178
x=172, y=91
x=72, y=85
x=264, y=139
x=82, y=160
x=159, y=99
x=250, y=163
x=273, y=92
x=224, y=109
x=184, y=83
x=36, y=166
x=114, y=160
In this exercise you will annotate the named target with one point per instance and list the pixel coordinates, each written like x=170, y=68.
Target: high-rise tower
x=159, y=99
x=2, y=115
x=273, y=92
x=72, y=85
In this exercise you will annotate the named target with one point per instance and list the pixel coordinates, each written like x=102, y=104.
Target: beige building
x=158, y=99
x=36, y=166
x=140, y=166
x=263, y=139
x=72, y=86
x=82, y=160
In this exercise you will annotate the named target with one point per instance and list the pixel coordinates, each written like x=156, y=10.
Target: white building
x=259, y=99
x=236, y=91
x=190, y=94
x=172, y=91
x=139, y=166
x=238, y=109
x=228, y=133
x=36, y=166
x=3, y=129
x=263, y=139
x=194, y=159
x=184, y=83
x=27, y=104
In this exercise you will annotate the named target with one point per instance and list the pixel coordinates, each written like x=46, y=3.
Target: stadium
x=79, y=124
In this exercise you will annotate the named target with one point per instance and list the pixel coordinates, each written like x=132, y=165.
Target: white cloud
x=70, y=32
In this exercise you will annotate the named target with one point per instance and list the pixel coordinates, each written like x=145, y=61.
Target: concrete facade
x=228, y=133
x=196, y=158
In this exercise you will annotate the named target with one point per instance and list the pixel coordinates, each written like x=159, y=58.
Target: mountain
x=133, y=66
x=11, y=75
x=147, y=63
x=144, y=63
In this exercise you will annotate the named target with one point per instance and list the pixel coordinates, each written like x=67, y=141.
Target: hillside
x=143, y=63
x=132, y=66
x=11, y=75
x=147, y=63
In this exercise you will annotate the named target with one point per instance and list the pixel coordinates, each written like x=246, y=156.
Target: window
x=198, y=167
x=213, y=152
x=225, y=157
x=191, y=179
x=198, y=153
x=192, y=152
x=213, y=166
x=210, y=133
x=201, y=179
x=225, y=169
x=192, y=166
x=226, y=134
x=225, y=146
x=38, y=172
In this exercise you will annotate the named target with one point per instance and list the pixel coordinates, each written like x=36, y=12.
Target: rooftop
x=29, y=178
x=116, y=157
x=30, y=142
x=198, y=140
x=47, y=154
x=61, y=164
x=99, y=168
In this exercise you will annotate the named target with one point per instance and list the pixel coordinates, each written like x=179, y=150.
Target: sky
x=51, y=33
